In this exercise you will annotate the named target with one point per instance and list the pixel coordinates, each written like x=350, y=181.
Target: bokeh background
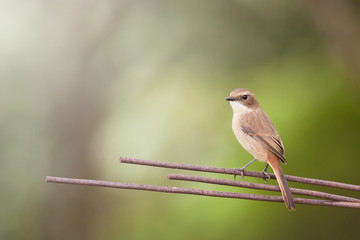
x=84, y=82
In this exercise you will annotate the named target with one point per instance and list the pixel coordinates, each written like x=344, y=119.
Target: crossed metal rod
x=331, y=199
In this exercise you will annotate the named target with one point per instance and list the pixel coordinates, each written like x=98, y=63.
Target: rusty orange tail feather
x=274, y=163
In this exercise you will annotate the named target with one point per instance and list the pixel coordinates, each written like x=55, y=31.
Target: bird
x=258, y=136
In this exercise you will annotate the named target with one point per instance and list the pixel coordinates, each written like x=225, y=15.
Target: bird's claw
x=267, y=176
x=241, y=173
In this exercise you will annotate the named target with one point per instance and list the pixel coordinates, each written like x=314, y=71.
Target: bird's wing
x=265, y=133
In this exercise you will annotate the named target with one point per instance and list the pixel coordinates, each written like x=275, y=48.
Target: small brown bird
x=257, y=134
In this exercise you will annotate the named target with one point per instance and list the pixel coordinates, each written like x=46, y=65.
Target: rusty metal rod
x=133, y=186
x=297, y=191
x=237, y=172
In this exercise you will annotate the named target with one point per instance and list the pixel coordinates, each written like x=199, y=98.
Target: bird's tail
x=280, y=177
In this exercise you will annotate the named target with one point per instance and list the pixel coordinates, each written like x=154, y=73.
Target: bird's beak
x=230, y=99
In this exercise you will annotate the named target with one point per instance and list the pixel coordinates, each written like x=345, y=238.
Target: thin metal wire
x=237, y=172
x=166, y=189
x=297, y=191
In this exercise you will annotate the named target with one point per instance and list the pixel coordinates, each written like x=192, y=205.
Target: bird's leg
x=242, y=169
x=267, y=176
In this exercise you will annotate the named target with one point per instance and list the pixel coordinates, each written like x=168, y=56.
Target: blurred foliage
x=84, y=82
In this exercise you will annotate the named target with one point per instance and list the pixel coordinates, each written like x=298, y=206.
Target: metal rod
x=156, y=188
x=297, y=191
x=237, y=172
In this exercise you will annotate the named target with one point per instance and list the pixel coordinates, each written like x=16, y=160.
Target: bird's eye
x=245, y=97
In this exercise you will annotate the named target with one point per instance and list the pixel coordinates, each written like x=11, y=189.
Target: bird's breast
x=252, y=146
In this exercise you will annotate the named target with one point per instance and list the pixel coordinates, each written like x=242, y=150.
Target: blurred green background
x=84, y=82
